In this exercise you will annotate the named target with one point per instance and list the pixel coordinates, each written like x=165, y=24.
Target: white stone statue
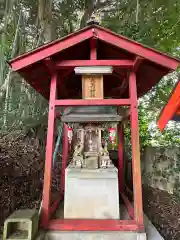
x=104, y=159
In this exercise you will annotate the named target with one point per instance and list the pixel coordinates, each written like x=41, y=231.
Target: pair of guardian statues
x=89, y=148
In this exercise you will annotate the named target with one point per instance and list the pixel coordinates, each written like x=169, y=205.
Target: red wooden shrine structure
x=136, y=69
x=171, y=110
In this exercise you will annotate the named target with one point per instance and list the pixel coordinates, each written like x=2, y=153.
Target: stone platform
x=151, y=231
x=91, y=194
x=53, y=235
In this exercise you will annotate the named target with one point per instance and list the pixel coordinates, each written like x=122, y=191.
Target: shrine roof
x=150, y=65
x=171, y=110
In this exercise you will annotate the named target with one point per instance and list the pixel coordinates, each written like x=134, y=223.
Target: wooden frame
x=64, y=156
x=92, y=102
x=120, y=156
x=46, y=201
x=93, y=225
x=136, y=213
x=137, y=187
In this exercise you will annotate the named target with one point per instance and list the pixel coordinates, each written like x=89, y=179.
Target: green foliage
x=154, y=23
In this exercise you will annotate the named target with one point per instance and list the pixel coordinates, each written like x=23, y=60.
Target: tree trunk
x=8, y=78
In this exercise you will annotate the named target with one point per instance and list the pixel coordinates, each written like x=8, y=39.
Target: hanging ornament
x=70, y=134
x=112, y=136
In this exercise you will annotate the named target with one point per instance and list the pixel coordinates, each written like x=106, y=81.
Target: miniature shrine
x=92, y=79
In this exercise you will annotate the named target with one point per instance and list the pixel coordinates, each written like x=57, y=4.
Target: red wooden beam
x=128, y=205
x=120, y=156
x=46, y=198
x=170, y=108
x=137, y=48
x=136, y=168
x=61, y=84
x=128, y=190
x=116, y=75
x=49, y=49
x=57, y=115
x=93, y=225
x=119, y=73
x=55, y=205
x=93, y=49
x=78, y=63
x=121, y=89
x=137, y=63
x=50, y=65
x=99, y=102
x=64, y=156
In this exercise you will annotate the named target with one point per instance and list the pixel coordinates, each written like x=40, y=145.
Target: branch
x=137, y=11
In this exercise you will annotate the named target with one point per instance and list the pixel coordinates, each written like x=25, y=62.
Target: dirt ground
x=21, y=175
x=21, y=180
x=163, y=210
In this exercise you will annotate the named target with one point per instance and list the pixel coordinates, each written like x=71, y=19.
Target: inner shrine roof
x=150, y=65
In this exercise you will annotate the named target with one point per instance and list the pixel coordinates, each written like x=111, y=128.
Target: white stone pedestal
x=91, y=194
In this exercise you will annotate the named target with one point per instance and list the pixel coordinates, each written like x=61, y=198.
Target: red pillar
x=64, y=156
x=120, y=156
x=93, y=49
x=46, y=198
x=136, y=168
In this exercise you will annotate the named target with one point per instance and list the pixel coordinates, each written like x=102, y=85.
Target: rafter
x=49, y=49
x=121, y=89
x=61, y=83
x=50, y=65
x=137, y=48
x=138, y=61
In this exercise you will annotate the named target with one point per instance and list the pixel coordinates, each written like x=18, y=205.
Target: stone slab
x=57, y=235
x=91, y=194
x=77, y=118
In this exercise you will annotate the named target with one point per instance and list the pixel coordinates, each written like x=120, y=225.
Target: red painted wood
x=62, y=90
x=128, y=190
x=57, y=115
x=137, y=48
x=64, y=156
x=128, y=205
x=50, y=65
x=137, y=188
x=120, y=156
x=121, y=89
x=49, y=49
x=79, y=63
x=55, y=205
x=137, y=63
x=46, y=198
x=93, y=225
x=93, y=49
x=99, y=102
x=170, y=109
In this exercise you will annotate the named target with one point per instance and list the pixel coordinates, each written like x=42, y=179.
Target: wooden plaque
x=92, y=87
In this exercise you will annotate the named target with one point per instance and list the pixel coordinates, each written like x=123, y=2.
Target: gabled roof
x=76, y=46
x=171, y=110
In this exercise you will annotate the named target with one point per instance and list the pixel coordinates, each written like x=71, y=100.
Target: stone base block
x=56, y=235
x=22, y=224
x=91, y=194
